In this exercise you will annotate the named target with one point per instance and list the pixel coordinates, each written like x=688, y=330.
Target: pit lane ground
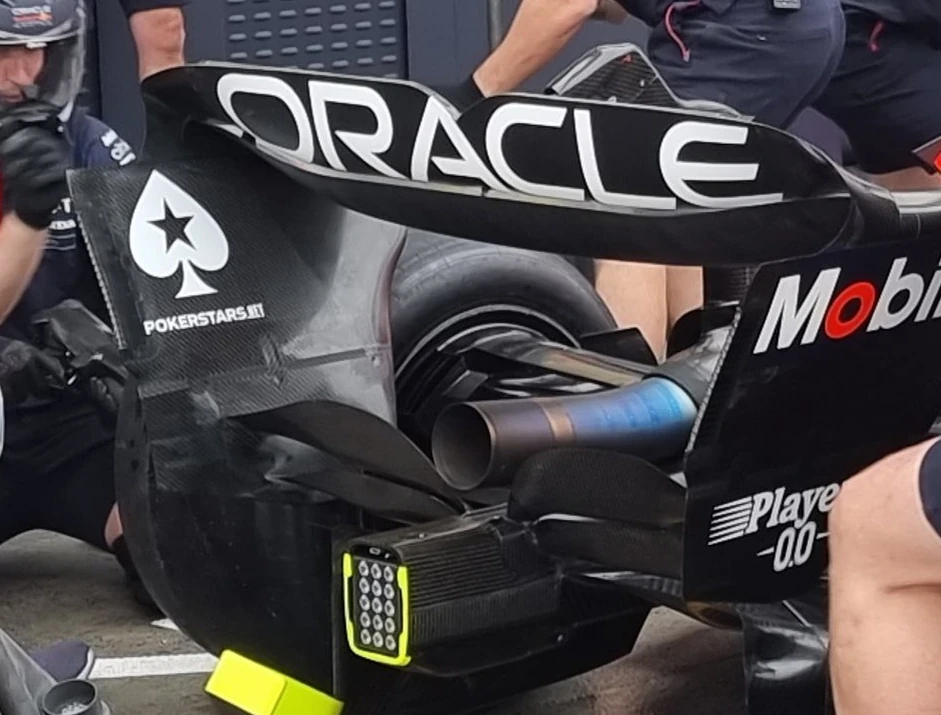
x=53, y=588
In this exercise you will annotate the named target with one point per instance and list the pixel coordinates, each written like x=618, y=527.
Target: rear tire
x=441, y=279
x=446, y=290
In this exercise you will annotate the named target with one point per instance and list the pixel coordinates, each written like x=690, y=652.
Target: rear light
x=411, y=592
x=376, y=606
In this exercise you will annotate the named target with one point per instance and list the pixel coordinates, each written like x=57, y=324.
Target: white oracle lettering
x=468, y=166
x=678, y=174
x=231, y=84
x=584, y=136
x=365, y=146
x=535, y=115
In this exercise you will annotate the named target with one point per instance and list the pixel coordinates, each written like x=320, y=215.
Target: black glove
x=34, y=158
x=105, y=392
x=26, y=371
x=463, y=96
x=86, y=345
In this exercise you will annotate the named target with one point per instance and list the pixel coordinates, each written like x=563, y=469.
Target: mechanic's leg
x=884, y=96
x=160, y=36
x=539, y=31
x=762, y=64
x=114, y=529
x=80, y=496
x=684, y=292
x=885, y=584
x=649, y=297
x=913, y=179
x=635, y=293
x=81, y=504
x=20, y=494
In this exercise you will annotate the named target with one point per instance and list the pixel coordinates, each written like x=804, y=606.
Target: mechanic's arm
x=540, y=30
x=21, y=250
x=160, y=36
x=33, y=164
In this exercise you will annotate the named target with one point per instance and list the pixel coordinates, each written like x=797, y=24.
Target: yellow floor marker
x=258, y=690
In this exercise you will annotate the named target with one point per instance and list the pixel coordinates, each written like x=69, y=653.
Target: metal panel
x=357, y=37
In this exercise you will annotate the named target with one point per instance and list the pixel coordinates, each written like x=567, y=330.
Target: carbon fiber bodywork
x=254, y=445
x=210, y=512
x=255, y=433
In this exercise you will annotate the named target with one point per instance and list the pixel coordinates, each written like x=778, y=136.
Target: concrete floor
x=53, y=588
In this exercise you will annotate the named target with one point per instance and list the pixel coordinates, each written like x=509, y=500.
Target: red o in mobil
x=860, y=298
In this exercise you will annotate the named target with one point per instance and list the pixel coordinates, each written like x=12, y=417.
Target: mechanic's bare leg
x=539, y=31
x=113, y=527
x=117, y=544
x=885, y=580
x=912, y=179
x=160, y=36
x=650, y=297
x=684, y=285
x=635, y=293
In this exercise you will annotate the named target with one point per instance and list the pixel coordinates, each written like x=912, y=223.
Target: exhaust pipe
x=482, y=444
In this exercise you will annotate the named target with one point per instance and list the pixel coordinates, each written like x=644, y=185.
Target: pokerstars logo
x=860, y=306
x=171, y=235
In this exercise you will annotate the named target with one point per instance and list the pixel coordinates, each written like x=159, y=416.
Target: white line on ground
x=166, y=624
x=153, y=665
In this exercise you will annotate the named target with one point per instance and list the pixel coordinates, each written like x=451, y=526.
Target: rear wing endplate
x=833, y=364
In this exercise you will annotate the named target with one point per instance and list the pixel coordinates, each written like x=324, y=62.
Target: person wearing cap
x=57, y=465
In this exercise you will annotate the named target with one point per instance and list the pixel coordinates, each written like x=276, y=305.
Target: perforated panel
x=366, y=37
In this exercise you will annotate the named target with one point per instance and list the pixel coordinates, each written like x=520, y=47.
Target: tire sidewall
x=439, y=278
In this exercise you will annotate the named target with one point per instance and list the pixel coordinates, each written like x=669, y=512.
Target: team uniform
x=765, y=63
x=884, y=94
x=56, y=468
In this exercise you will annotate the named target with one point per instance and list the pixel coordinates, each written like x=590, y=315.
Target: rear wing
x=832, y=365
x=570, y=176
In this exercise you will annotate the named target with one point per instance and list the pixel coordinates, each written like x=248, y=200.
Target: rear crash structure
x=280, y=517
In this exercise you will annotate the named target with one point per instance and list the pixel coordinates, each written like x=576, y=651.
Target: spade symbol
x=171, y=231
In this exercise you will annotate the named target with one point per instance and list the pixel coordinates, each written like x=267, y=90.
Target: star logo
x=171, y=232
x=174, y=227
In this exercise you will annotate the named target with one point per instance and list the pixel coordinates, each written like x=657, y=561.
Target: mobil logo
x=838, y=311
